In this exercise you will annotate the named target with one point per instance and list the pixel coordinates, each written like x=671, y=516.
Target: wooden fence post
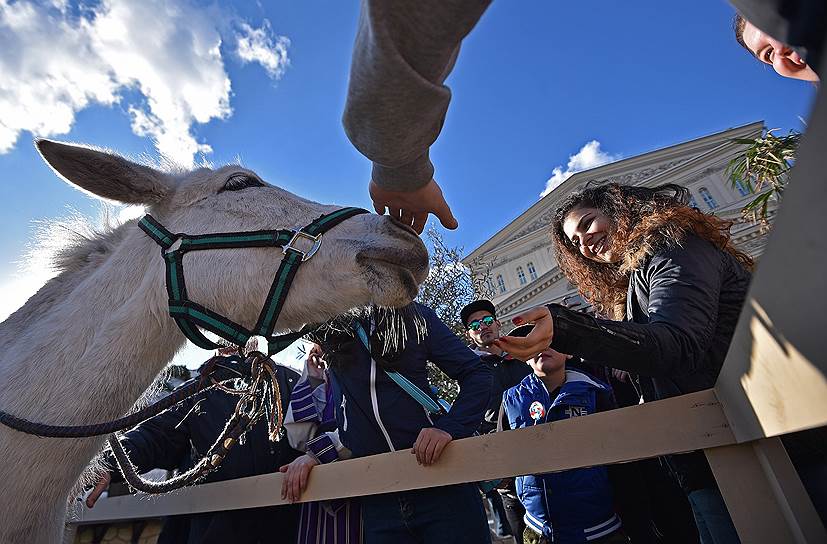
x=765, y=497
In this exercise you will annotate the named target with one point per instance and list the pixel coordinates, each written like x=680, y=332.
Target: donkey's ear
x=105, y=174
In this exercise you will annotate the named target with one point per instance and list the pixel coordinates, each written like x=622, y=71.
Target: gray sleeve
x=396, y=100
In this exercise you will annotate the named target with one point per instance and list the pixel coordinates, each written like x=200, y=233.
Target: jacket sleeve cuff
x=453, y=428
x=569, y=327
x=576, y=333
x=408, y=177
x=110, y=464
x=327, y=448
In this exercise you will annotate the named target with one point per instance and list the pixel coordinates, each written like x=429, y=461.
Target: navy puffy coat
x=575, y=505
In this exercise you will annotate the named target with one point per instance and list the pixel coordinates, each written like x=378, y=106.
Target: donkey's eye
x=237, y=182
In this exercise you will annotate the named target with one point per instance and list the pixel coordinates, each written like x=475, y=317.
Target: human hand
x=412, y=208
x=295, y=477
x=537, y=340
x=314, y=362
x=429, y=445
x=100, y=487
x=621, y=375
x=226, y=351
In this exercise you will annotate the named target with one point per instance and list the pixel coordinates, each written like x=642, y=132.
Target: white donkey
x=85, y=347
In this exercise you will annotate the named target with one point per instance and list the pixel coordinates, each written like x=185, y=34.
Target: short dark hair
x=482, y=305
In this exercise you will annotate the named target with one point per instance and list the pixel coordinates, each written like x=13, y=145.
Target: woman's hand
x=537, y=340
x=295, y=477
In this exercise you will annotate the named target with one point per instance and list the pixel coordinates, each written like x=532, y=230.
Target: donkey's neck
x=80, y=351
x=87, y=345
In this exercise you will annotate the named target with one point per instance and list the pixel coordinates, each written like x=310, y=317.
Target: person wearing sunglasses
x=482, y=327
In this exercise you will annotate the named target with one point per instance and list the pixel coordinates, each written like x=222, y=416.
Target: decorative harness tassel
x=262, y=398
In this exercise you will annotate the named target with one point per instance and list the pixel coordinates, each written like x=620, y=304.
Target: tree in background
x=762, y=168
x=449, y=287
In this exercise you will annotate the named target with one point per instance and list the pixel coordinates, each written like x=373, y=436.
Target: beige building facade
x=519, y=258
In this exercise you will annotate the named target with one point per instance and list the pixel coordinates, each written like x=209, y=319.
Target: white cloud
x=258, y=45
x=589, y=156
x=55, y=64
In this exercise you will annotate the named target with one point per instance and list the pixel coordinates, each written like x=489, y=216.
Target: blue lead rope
x=432, y=406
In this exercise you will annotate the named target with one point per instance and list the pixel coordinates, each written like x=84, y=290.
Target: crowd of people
x=664, y=280
x=667, y=287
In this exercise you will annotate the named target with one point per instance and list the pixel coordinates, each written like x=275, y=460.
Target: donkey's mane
x=69, y=244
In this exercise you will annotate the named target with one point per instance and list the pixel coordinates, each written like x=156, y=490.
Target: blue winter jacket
x=575, y=505
x=375, y=415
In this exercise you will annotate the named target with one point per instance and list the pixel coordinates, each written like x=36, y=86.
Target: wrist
x=405, y=178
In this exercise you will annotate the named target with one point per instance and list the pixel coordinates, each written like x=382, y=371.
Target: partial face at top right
x=783, y=59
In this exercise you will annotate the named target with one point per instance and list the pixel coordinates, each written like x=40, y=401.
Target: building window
x=521, y=275
x=742, y=187
x=532, y=272
x=501, y=283
x=707, y=196
x=692, y=202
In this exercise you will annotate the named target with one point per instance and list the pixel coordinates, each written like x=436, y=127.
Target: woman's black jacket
x=681, y=308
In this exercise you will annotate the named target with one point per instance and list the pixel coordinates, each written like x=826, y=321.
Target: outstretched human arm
x=159, y=442
x=684, y=286
x=397, y=100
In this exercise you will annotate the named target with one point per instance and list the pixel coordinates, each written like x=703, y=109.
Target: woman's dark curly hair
x=644, y=219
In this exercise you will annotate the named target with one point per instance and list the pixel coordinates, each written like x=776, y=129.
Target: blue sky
x=536, y=82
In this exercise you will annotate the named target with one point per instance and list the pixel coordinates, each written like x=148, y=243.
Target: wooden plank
x=678, y=424
x=764, y=495
x=773, y=380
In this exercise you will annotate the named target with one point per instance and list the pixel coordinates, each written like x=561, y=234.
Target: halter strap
x=189, y=315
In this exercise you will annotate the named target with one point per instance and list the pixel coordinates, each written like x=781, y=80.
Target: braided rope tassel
x=275, y=422
x=235, y=427
x=261, y=398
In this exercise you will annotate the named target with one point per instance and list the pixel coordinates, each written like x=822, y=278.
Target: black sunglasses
x=477, y=323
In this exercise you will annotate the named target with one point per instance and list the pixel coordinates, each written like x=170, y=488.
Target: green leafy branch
x=762, y=168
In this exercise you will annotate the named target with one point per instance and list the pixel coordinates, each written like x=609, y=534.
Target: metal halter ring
x=315, y=240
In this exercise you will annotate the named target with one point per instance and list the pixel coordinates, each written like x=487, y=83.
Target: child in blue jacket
x=572, y=506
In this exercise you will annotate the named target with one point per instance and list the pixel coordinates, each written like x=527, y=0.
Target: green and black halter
x=189, y=315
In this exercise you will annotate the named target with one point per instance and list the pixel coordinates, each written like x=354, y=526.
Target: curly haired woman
x=671, y=273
